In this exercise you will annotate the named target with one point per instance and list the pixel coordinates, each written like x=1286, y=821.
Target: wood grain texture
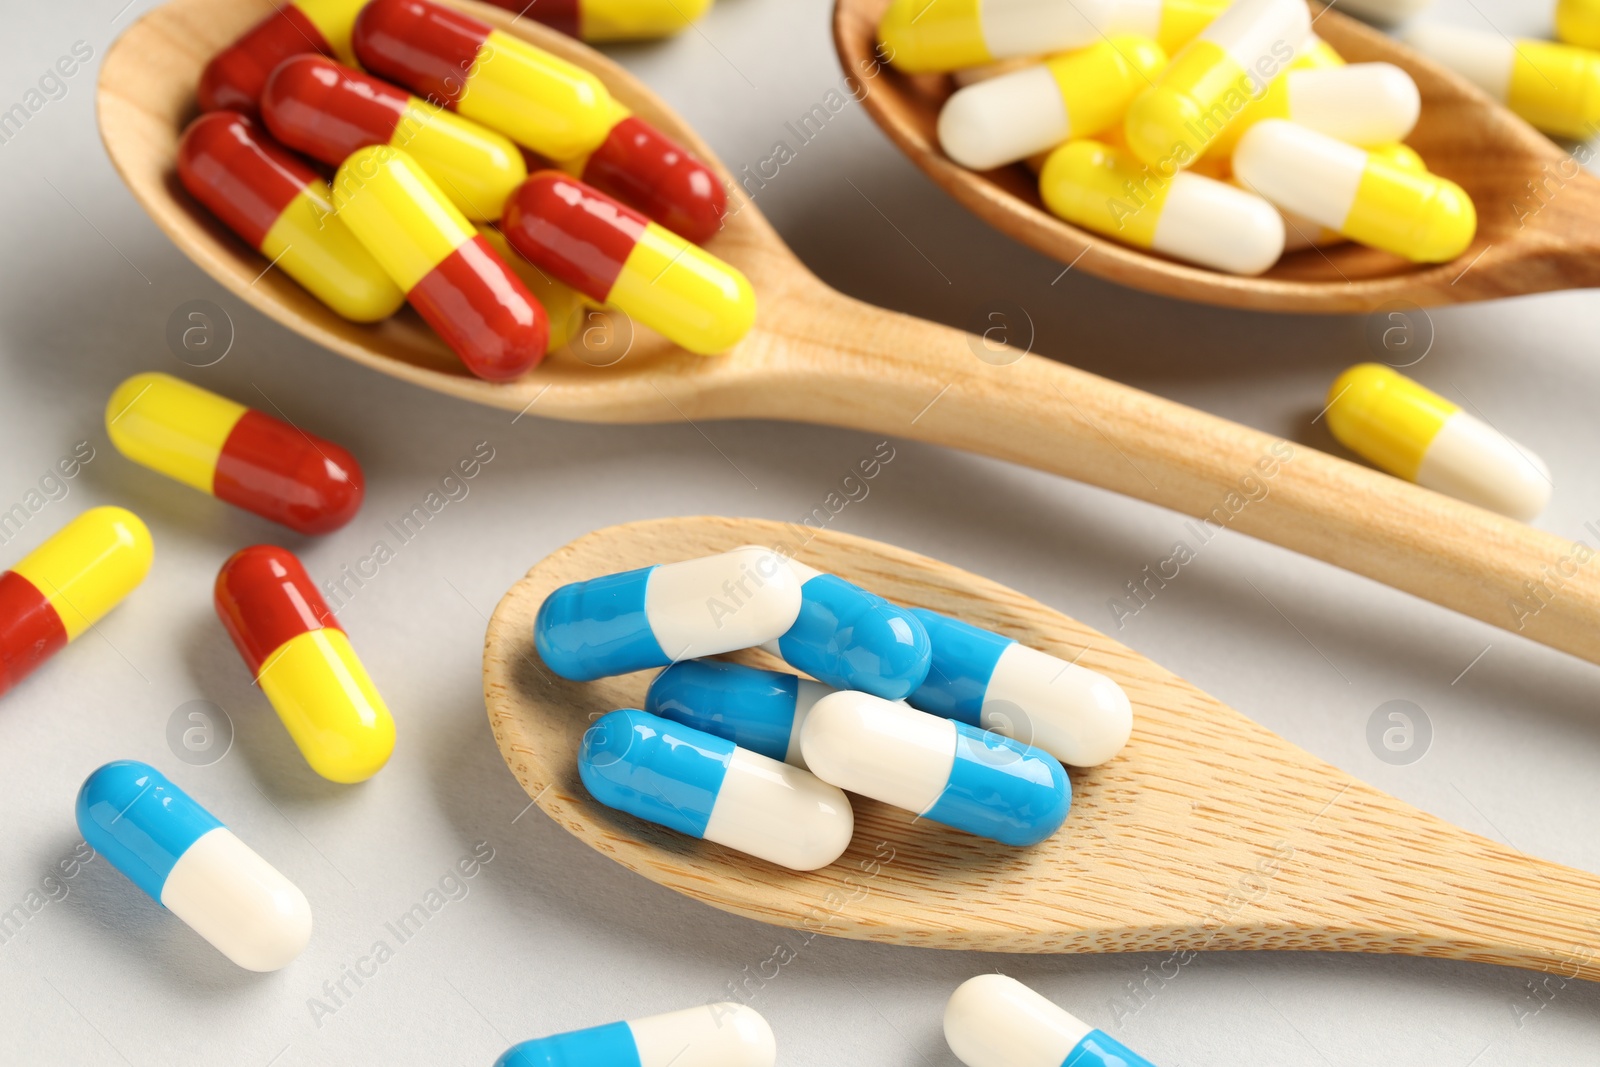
x=1208, y=832
x=1526, y=242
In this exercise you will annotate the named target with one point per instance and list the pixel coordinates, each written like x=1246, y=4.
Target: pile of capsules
x=430, y=143
x=955, y=724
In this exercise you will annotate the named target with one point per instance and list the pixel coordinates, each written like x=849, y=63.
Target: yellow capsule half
x=684, y=293
x=632, y=20
x=90, y=565
x=329, y=705
x=1556, y=87
x=1578, y=22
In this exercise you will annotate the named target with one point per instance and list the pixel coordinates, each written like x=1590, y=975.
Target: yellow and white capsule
x=1317, y=54
x=1413, y=433
x=1359, y=103
x=1300, y=232
x=931, y=36
x=1384, y=12
x=1578, y=22
x=1556, y=87
x=1173, y=23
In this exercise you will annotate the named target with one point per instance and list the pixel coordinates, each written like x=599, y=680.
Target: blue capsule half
x=962, y=663
x=129, y=813
x=756, y=709
x=711, y=1035
x=849, y=638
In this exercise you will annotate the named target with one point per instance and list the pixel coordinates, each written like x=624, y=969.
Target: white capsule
x=712, y=1035
x=995, y=1021
x=1484, y=59
x=1360, y=103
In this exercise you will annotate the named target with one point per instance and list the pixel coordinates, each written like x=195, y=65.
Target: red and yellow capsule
x=327, y=111
x=234, y=77
x=303, y=661
x=236, y=454
x=281, y=208
x=66, y=585
x=612, y=253
x=564, y=306
x=612, y=20
x=448, y=273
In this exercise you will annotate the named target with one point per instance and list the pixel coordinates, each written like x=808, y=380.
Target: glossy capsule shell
x=66, y=585
x=1300, y=232
x=1578, y=22
x=184, y=859
x=612, y=20
x=1556, y=87
x=996, y=1021
x=1366, y=104
x=470, y=297
x=566, y=309
x=1010, y=117
x=239, y=455
x=756, y=709
x=653, y=616
x=704, y=786
x=1172, y=23
x=1365, y=196
x=711, y=1035
x=942, y=770
x=613, y=254
x=1185, y=216
x=923, y=37
x=328, y=111
x=299, y=655
x=1402, y=427
x=234, y=78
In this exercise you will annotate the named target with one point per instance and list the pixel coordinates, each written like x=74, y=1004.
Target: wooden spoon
x=1526, y=242
x=818, y=356
x=1208, y=832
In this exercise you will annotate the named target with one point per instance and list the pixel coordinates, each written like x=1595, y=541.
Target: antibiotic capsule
x=454, y=280
x=299, y=655
x=232, y=81
x=1365, y=196
x=657, y=615
x=1010, y=117
x=756, y=709
x=705, y=786
x=1404, y=428
x=995, y=683
x=1172, y=23
x=188, y=862
x=236, y=454
x=1578, y=22
x=613, y=254
x=1182, y=215
x=566, y=309
x=612, y=20
x=1556, y=87
x=920, y=37
x=66, y=585
x=1366, y=104
x=996, y=1021
x=942, y=770
x=711, y=1035
x=328, y=111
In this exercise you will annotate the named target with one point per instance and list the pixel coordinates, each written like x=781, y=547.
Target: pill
x=1316, y=54
x=707, y=787
x=233, y=79
x=756, y=709
x=657, y=615
x=1301, y=232
x=942, y=770
x=612, y=20
x=1578, y=22
x=1362, y=104
x=613, y=254
x=1182, y=215
x=251, y=460
x=1384, y=12
x=996, y=1021
x=1010, y=117
x=184, y=859
x=457, y=284
x=565, y=308
x=1212, y=79
x=327, y=111
x=923, y=37
x=1556, y=87
x=66, y=585
x=1413, y=433
x=299, y=655
x=1366, y=197
x=1173, y=23
x=711, y=1035
x=282, y=209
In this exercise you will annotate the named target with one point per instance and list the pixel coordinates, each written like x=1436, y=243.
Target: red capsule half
x=640, y=165
x=235, y=76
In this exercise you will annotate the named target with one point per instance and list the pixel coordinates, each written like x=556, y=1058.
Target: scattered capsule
x=705, y=786
x=1010, y=117
x=454, y=280
x=996, y=1021
x=1578, y=22
x=327, y=111
x=1384, y=12
x=252, y=461
x=943, y=770
x=178, y=853
x=1556, y=87
x=1212, y=79
x=1185, y=216
x=66, y=585
x=232, y=81
x=927, y=37
x=612, y=20
x=1402, y=427
x=1364, y=104
x=281, y=208
x=1366, y=197
x=755, y=709
x=565, y=307
x=613, y=254
x=711, y=1035
x=658, y=615
x=301, y=658
x=1173, y=23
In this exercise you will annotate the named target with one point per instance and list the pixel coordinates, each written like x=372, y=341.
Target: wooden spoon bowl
x=1526, y=243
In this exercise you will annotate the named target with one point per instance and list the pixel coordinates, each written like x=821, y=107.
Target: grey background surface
x=549, y=935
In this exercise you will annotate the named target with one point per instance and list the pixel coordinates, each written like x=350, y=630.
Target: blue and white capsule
x=995, y=1021
x=978, y=677
x=711, y=1035
x=849, y=638
x=178, y=853
x=755, y=709
x=658, y=615
x=706, y=786
x=945, y=771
